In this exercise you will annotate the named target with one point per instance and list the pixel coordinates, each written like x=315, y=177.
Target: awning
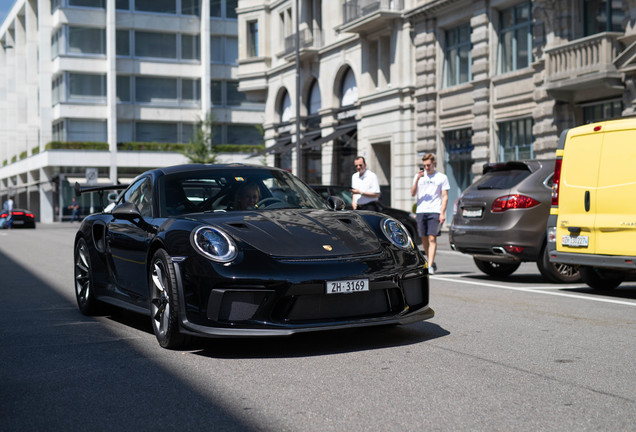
x=276, y=148
x=332, y=136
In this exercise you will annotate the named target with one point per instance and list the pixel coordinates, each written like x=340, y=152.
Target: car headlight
x=396, y=233
x=214, y=244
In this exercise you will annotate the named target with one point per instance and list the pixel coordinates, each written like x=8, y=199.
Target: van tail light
x=516, y=201
x=556, y=181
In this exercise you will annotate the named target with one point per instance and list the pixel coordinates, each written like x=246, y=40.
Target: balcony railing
x=590, y=56
x=354, y=9
x=307, y=39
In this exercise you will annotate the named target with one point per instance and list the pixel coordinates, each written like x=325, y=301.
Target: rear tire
x=164, y=302
x=600, y=279
x=496, y=269
x=556, y=272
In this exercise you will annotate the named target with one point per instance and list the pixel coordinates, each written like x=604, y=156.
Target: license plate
x=18, y=222
x=471, y=213
x=347, y=286
x=574, y=241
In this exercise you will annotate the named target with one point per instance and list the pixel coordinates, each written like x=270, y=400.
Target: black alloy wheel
x=557, y=272
x=84, y=287
x=164, y=302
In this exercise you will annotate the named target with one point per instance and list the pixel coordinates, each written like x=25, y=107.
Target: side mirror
x=335, y=203
x=126, y=211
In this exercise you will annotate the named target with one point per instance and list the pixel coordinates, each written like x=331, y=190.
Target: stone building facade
x=471, y=81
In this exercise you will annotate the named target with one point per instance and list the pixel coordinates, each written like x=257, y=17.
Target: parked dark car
x=179, y=246
x=501, y=220
x=407, y=219
x=22, y=218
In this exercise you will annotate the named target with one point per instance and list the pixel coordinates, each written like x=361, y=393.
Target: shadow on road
x=62, y=371
x=321, y=343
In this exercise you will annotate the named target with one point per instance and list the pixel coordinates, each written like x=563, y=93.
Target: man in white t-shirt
x=431, y=189
x=365, y=187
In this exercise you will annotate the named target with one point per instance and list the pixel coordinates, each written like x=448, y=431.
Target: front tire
x=557, y=272
x=84, y=285
x=164, y=302
x=494, y=269
x=600, y=279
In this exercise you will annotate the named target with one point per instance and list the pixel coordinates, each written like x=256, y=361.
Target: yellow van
x=592, y=220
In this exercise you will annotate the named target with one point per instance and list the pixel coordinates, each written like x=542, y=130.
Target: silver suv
x=501, y=220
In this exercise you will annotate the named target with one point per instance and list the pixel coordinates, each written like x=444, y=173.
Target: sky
x=5, y=7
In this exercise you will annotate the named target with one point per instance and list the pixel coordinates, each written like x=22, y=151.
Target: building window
x=57, y=88
x=167, y=91
x=158, y=6
x=224, y=49
x=457, y=55
x=603, y=111
x=88, y=3
x=123, y=88
x=515, y=37
x=243, y=134
x=87, y=130
x=87, y=86
x=123, y=42
x=223, y=8
x=57, y=43
x=602, y=16
x=190, y=7
x=154, y=44
x=157, y=132
x=224, y=93
x=252, y=39
x=190, y=47
x=190, y=91
x=156, y=90
x=515, y=140
x=86, y=40
x=122, y=4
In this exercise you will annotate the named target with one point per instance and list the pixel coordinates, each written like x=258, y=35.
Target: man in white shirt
x=9, y=209
x=365, y=187
x=431, y=188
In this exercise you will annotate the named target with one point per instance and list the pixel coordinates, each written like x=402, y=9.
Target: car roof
x=531, y=165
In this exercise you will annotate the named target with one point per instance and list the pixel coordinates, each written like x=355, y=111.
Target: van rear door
x=615, y=224
x=579, y=178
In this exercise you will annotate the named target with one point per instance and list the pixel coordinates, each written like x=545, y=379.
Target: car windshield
x=503, y=179
x=232, y=189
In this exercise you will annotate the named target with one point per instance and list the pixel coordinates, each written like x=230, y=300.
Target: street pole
x=299, y=159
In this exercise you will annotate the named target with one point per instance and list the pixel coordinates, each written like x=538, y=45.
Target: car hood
x=302, y=233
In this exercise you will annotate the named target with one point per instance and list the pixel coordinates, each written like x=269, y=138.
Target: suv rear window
x=504, y=179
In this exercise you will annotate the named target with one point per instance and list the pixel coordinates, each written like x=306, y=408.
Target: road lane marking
x=537, y=290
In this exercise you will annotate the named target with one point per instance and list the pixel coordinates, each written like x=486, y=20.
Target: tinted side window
x=140, y=195
x=501, y=179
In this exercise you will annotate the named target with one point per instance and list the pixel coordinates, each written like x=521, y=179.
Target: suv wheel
x=496, y=269
x=600, y=279
x=556, y=272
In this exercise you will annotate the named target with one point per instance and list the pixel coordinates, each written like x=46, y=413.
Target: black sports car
x=21, y=219
x=238, y=250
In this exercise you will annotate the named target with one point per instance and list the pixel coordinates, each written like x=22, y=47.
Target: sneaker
x=431, y=269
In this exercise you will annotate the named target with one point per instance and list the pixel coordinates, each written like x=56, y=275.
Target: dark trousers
x=371, y=206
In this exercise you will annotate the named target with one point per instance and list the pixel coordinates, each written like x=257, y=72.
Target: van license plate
x=347, y=286
x=574, y=241
x=471, y=213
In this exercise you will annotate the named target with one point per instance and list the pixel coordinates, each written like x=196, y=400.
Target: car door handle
x=587, y=201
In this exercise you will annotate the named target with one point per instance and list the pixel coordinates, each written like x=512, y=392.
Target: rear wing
x=99, y=189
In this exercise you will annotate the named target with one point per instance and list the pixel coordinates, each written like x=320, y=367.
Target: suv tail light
x=556, y=180
x=515, y=201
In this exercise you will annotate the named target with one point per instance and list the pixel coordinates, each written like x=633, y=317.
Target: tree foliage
x=200, y=148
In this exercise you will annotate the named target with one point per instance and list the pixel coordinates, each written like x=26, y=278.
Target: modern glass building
x=101, y=90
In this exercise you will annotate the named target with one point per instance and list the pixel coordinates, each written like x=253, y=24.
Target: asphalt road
x=517, y=354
